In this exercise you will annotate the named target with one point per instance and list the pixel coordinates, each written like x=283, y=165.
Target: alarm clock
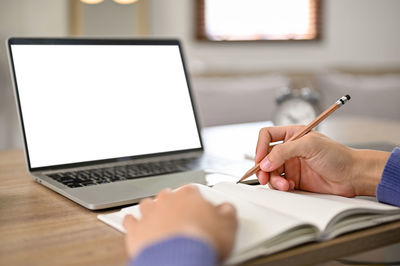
x=296, y=107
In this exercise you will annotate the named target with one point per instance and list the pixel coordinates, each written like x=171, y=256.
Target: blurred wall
x=108, y=19
x=361, y=33
x=23, y=18
x=355, y=33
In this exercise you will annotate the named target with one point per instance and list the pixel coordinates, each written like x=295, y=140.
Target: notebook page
x=358, y=202
x=256, y=225
x=306, y=207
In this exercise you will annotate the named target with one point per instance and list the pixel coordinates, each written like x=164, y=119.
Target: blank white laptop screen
x=91, y=102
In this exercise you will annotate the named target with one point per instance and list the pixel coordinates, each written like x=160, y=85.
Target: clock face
x=295, y=111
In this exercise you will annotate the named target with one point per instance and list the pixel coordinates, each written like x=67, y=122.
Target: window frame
x=200, y=28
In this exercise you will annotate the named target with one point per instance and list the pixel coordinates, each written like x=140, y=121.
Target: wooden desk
x=41, y=227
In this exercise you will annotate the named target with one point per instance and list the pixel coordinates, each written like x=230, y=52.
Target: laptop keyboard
x=90, y=177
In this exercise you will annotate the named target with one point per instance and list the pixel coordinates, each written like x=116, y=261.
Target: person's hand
x=181, y=212
x=316, y=163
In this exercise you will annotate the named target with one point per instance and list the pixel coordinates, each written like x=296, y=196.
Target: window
x=249, y=20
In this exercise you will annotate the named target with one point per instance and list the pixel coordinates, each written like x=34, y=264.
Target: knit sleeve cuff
x=388, y=190
x=175, y=251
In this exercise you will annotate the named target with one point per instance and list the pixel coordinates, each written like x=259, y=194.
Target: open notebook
x=271, y=220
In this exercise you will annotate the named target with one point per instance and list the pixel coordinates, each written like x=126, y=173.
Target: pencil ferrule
x=342, y=100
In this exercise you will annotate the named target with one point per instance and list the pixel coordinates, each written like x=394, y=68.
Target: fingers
x=263, y=177
x=272, y=134
x=283, y=152
x=292, y=184
x=293, y=172
x=227, y=214
x=186, y=189
x=129, y=222
x=278, y=182
x=146, y=206
x=163, y=193
x=226, y=209
x=190, y=189
x=266, y=136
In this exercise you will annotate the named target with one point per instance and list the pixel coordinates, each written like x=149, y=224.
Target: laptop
x=106, y=123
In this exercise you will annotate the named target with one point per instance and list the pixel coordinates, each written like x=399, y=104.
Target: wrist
x=199, y=234
x=367, y=171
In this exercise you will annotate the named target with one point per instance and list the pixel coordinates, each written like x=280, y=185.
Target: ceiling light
x=91, y=2
x=125, y=2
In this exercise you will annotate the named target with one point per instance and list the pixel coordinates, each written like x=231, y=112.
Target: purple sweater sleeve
x=176, y=251
x=388, y=190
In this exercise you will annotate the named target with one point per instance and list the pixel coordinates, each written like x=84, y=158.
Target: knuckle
x=188, y=189
x=311, y=138
x=278, y=149
x=311, y=134
x=231, y=209
x=263, y=131
x=128, y=221
x=191, y=187
x=125, y=221
x=164, y=192
x=308, y=137
x=145, y=201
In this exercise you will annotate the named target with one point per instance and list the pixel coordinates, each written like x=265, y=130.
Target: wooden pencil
x=304, y=131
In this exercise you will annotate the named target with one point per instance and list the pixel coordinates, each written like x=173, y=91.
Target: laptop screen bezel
x=81, y=41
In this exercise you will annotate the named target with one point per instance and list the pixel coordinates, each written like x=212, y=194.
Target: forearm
x=368, y=167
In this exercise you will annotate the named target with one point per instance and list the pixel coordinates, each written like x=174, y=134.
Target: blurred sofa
x=236, y=98
x=374, y=94
x=227, y=98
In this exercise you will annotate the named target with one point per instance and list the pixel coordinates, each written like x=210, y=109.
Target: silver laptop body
x=105, y=112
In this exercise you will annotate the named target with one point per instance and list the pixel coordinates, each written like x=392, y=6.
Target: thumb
x=283, y=152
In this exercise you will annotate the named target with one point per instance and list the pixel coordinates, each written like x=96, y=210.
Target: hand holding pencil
x=304, y=130
x=310, y=163
x=318, y=164
x=315, y=163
